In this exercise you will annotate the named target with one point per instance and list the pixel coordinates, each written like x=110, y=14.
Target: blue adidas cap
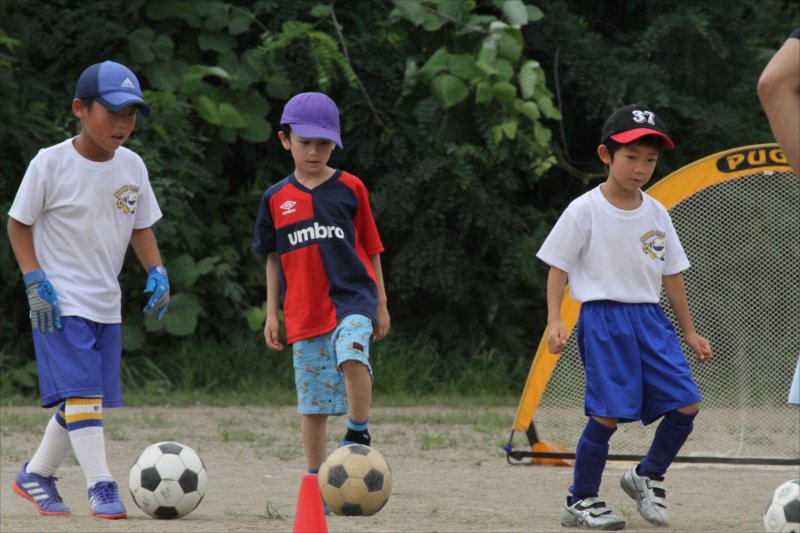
x=113, y=85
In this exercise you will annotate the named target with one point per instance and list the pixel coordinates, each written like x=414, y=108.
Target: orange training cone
x=310, y=516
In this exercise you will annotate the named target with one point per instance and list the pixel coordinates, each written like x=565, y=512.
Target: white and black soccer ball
x=355, y=480
x=168, y=480
x=782, y=512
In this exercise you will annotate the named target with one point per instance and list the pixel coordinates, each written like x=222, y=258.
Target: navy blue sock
x=670, y=436
x=313, y=471
x=590, y=460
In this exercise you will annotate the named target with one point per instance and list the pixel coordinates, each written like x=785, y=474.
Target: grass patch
x=271, y=512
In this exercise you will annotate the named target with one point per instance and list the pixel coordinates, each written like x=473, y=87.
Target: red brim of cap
x=631, y=135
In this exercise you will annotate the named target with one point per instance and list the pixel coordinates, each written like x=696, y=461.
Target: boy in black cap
x=618, y=247
x=79, y=205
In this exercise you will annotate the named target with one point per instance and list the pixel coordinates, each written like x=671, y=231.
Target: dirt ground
x=450, y=474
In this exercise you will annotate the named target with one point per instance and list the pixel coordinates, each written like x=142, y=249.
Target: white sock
x=85, y=425
x=54, y=448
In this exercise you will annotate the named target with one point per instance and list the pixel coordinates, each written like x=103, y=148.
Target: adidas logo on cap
x=127, y=83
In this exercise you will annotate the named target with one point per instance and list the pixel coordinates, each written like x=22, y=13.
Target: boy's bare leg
x=358, y=383
x=315, y=439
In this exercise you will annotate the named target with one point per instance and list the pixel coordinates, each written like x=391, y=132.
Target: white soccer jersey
x=83, y=214
x=614, y=254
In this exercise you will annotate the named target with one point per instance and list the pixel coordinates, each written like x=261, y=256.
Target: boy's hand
x=700, y=346
x=271, y=329
x=158, y=284
x=45, y=312
x=556, y=336
x=382, y=323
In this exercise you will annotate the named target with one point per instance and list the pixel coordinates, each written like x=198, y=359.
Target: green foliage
x=472, y=123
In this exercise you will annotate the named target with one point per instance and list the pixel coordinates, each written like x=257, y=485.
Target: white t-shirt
x=83, y=214
x=614, y=254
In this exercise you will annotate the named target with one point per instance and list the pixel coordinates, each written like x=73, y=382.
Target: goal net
x=737, y=214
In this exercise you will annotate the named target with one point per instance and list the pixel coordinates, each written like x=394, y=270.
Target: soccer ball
x=782, y=513
x=355, y=480
x=168, y=480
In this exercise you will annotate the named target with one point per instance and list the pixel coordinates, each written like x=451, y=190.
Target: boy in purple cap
x=618, y=247
x=79, y=205
x=323, y=262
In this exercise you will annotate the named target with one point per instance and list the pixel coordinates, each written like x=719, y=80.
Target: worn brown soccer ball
x=355, y=480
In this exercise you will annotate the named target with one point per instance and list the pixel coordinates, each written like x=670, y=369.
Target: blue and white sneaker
x=40, y=491
x=104, y=501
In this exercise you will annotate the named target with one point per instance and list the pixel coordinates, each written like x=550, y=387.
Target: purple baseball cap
x=313, y=116
x=113, y=85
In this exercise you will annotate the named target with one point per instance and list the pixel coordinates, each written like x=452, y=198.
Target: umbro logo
x=287, y=207
x=127, y=83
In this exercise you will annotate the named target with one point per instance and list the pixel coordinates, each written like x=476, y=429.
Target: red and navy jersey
x=324, y=237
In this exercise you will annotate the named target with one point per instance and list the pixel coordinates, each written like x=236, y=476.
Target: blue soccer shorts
x=317, y=361
x=635, y=367
x=794, y=389
x=80, y=361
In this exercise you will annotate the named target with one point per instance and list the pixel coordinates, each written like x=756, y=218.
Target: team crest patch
x=653, y=244
x=126, y=198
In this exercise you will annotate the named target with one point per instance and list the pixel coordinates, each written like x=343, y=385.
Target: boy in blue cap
x=79, y=205
x=323, y=262
x=618, y=247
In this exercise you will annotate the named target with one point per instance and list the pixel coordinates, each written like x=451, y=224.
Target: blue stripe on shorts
x=635, y=367
x=81, y=360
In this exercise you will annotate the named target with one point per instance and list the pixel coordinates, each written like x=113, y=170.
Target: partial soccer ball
x=782, y=513
x=355, y=480
x=168, y=480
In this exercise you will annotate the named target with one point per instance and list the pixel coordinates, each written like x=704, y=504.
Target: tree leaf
x=463, y=66
x=412, y=11
x=448, y=90
x=454, y=9
x=483, y=93
x=510, y=44
x=182, y=271
x=217, y=15
x=257, y=129
x=515, y=12
x=206, y=265
x=163, y=47
x=207, y=108
x=548, y=109
x=320, y=11
x=534, y=13
x=528, y=78
x=132, y=338
x=432, y=22
x=181, y=316
x=215, y=41
x=504, y=92
x=435, y=64
x=529, y=109
x=239, y=24
x=256, y=318
x=230, y=116
x=139, y=42
x=252, y=103
x=279, y=87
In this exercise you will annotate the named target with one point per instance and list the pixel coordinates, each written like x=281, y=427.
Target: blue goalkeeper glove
x=45, y=313
x=158, y=284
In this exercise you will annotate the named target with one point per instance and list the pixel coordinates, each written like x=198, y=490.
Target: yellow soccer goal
x=738, y=217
